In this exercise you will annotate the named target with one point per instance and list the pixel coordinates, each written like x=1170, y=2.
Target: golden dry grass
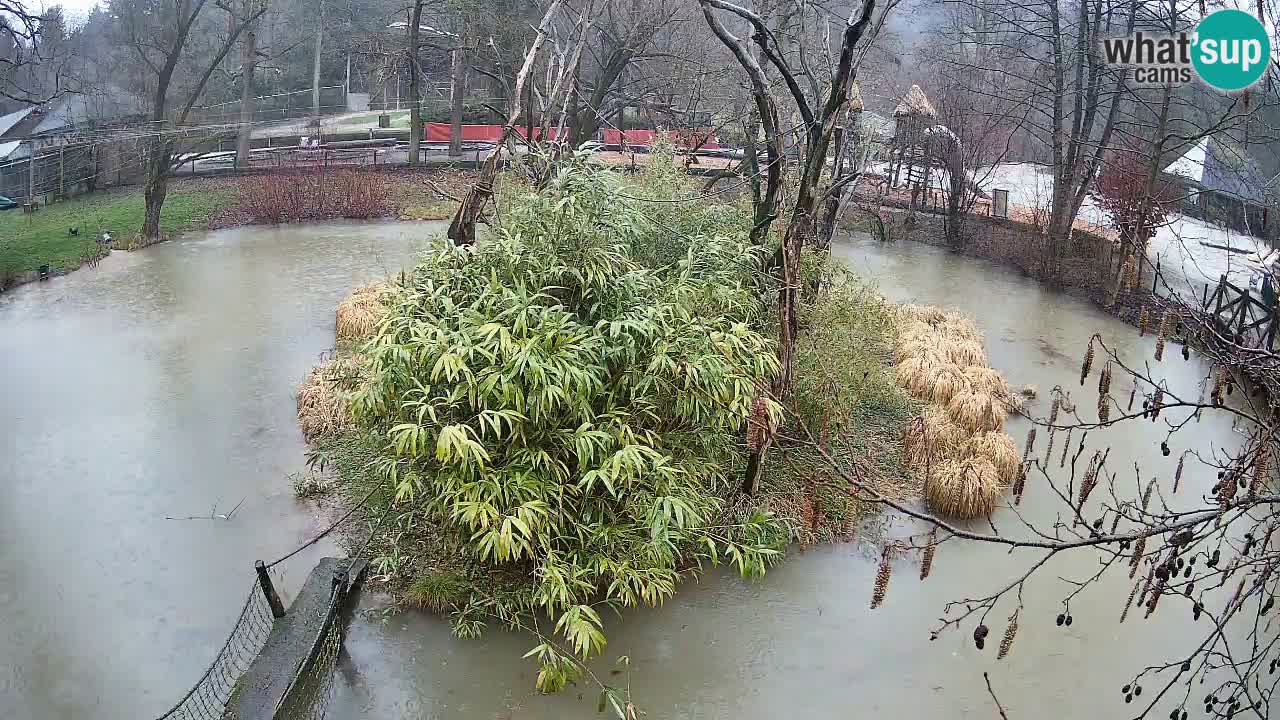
x=963, y=351
x=322, y=398
x=926, y=314
x=998, y=449
x=944, y=382
x=930, y=438
x=359, y=313
x=958, y=442
x=976, y=411
x=913, y=374
x=967, y=488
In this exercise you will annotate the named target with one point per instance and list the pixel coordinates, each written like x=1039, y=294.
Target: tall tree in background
x=157, y=32
x=248, y=77
x=821, y=106
x=414, y=51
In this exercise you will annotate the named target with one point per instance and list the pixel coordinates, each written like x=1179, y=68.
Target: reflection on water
x=160, y=384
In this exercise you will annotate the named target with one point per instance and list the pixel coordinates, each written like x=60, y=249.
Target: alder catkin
x=1104, y=379
x=1104, y=409
x=1139, y=546
x=1009, y=634
x=1162, y=335
x=1177, y=474
x=1143, y=319
x=1088, y=362
x=1157, y=402
x=1260, y=463
x=926, y=562
x=1031, y=442
x=882, y=579
x=1129, y=603
x=1053, y=411
x=1066, y=447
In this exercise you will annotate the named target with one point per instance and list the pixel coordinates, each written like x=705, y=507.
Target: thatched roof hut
x=914, y=103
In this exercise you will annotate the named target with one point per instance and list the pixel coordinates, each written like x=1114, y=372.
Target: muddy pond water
x=160, y=385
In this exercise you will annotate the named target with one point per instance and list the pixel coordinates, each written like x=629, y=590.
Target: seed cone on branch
x=1088, y=362
x=1010, y=633
x=1261, y=462
x=882, y=579
x=1129, y=603
x=1139, y=547
x=926, y=562
x=1162, y=335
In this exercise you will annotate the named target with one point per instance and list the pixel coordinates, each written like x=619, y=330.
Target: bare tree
x=158, y=32
x=819, y=109
x=22, y=52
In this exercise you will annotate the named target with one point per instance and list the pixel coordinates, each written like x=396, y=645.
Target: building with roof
x=1222, y=185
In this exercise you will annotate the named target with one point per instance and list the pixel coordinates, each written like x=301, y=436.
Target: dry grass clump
x=930, y=438
x=977, y=411
x=944, y=383
x=322, y=398
x=963, y=351
x=927, y=314
x=998, y=449
x=914, y=373
x=957, y=445
x=359, y=313
x=967, y=488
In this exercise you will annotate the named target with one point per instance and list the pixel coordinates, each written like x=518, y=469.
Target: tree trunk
x=315, y=64
x=415, y=94
x=248, y=93
x=157, y=187
x=457, y=93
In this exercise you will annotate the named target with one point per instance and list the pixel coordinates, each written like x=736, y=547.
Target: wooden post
x=62, y=171
x=269, y=590
x=31, y=176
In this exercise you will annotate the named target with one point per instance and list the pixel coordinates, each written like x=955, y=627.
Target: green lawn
x=29, y=241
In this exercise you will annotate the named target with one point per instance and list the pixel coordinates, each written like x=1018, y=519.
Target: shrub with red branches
x=300, y=197
x=1121, y=189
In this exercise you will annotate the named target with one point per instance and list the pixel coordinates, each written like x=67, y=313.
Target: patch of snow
x=1180, y=249
x=1191, y=165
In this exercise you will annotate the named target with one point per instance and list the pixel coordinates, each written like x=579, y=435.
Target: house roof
x=13, y=118
x=8, y=148
x=915, y=103
x=1217, y=168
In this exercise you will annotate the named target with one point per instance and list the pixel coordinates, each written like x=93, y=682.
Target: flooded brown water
x=159, y=384
x=162, y=384
x=802, y=641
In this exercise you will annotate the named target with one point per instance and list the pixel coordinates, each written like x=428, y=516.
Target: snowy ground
x=1186, y=263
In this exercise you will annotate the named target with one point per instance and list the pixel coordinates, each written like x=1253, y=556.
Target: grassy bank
x=44, y=237
x=28, y=242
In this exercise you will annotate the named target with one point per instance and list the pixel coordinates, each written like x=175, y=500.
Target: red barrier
x=681, y=138
x=439, y=133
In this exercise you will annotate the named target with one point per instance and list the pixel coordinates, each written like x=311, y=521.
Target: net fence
x=208, y=699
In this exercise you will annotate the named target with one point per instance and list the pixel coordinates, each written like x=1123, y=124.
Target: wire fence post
x=31, y=174
x=269, y=590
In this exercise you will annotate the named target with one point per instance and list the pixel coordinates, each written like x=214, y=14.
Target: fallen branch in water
x=213, y=514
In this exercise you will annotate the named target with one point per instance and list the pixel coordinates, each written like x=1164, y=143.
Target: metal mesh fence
x=312, y=692
x=208, y=699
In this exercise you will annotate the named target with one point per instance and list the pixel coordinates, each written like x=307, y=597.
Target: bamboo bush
x=569, y=414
